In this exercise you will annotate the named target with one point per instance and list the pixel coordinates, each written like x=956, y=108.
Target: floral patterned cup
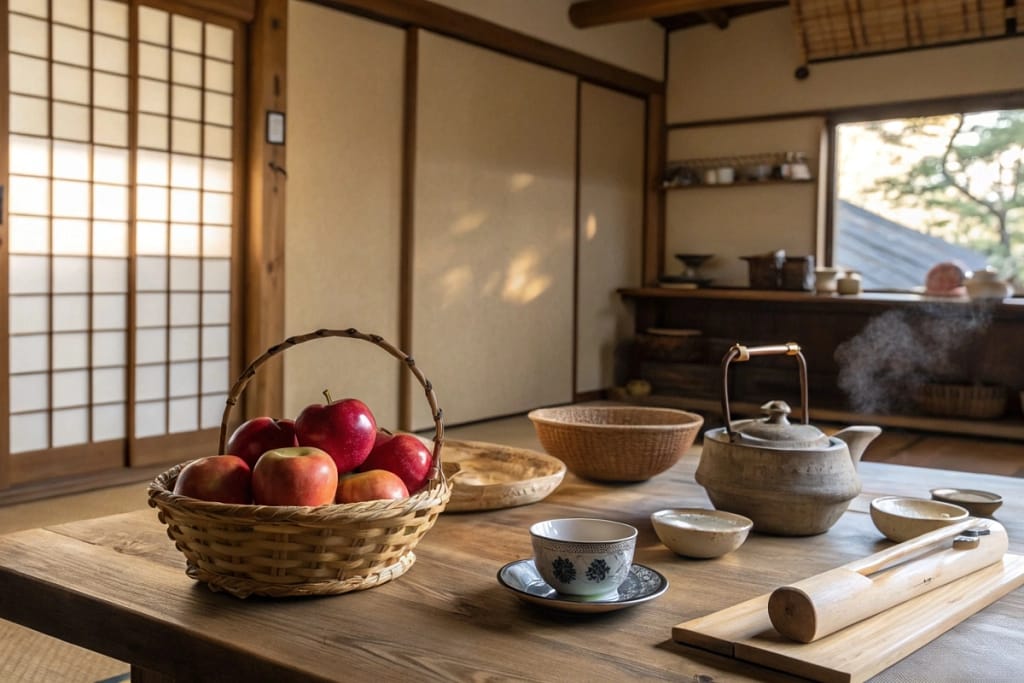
x=583, y=557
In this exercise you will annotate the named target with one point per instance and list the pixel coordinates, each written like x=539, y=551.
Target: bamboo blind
x=834, y=29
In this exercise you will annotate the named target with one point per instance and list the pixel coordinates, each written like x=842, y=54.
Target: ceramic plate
x=521, y=578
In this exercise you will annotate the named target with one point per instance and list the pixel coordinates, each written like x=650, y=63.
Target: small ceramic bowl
x=978, y=503
x=583, y=557
x=900, y=519
x=696, y=532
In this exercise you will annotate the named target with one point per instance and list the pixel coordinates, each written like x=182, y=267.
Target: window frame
x=895, y=110
x=29, y=468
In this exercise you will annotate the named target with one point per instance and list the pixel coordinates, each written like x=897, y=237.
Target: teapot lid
x=776, y=431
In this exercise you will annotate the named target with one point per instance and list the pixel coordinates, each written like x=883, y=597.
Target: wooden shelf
x=978, y=347
x=736, y=183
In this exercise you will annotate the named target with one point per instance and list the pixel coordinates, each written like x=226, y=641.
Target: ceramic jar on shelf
x=849, y=284
x=825, y=280
x=986, y=284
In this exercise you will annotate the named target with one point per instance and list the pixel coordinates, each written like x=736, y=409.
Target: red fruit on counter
x=216, y=478
x=404, y=455
x=297, y=475
x=255, y=437
x=345, y=429
x=370, y=485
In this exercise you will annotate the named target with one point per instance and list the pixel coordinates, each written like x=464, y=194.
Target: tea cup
x=583, y=557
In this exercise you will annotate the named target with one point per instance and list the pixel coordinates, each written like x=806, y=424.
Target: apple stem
x=327, y=395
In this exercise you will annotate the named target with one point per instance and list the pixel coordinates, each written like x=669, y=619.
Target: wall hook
x=278, y=169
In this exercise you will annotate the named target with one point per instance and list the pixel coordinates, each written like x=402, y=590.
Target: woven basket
x=977, y=401
x=616, y=443
x=283, y=551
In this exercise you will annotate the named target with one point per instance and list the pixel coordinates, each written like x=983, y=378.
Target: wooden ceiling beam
x=589, y=13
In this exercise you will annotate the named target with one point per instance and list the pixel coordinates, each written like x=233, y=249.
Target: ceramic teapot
x=986, y=284
x=789, y=479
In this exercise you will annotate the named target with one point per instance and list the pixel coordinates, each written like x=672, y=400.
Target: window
x=914, y=192
x=121, y=223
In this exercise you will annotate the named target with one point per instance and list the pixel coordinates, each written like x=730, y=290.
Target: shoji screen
x=121, y=214
x=343, y=206
x=610, y=228
x=495, y=193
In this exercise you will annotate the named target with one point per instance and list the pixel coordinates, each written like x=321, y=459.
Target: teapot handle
x=740, y=353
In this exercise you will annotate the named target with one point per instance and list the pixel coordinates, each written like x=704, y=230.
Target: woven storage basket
x=280, y=551
x=616, y=443
x=977, y=401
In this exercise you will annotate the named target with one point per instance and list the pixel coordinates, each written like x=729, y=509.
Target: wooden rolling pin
x=822, y=604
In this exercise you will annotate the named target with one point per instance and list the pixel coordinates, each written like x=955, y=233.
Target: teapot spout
x=857, y=439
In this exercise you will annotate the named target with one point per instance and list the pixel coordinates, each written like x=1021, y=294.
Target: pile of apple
x=330, y=453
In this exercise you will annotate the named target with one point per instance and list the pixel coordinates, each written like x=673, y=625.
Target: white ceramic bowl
x=901, y=519
x=978, y=503
x=583, y=557
x=696, y=532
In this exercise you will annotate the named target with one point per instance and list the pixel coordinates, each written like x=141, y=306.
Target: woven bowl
x=616, y=443
x=285, y=551
x=975, y=401
x=489, y=476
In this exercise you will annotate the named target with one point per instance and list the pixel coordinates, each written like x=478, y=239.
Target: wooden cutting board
x=855, y=653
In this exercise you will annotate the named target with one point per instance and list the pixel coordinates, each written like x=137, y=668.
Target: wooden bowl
x=616, y=443
x=901, y=519
x=489, y=476
x=978, y=503
x=700, y=533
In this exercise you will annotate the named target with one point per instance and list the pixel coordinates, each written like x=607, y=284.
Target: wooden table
x=116, y=585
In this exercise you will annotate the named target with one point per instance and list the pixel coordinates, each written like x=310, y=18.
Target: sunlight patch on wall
x=520, y=181
x=590, y=228
x=468, y=222
x=523, y=283
x=455, y=282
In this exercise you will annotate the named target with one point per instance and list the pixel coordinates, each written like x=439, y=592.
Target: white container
x=849, y=283
x=581, y=556
x=700, y=533
x=985, y=284
x=725, y=175
x=825, y=280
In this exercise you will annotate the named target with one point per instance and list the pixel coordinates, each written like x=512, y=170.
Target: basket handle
x=352, y=333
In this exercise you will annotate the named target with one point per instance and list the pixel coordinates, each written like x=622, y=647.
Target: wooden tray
x=488, y=476
x=855, y=653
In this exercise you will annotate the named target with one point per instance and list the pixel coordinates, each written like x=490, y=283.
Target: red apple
x=217, y=478
x=255, y=437
x=295, y=475
x=345, y=429
x=404, y=455
x=370, y=485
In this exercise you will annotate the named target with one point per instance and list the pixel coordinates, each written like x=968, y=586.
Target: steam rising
x=898, y=351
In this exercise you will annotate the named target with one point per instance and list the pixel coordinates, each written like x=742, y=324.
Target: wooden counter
x=892, y=342
x=116, y=585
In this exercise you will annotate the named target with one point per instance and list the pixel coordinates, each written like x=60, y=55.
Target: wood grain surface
x=117, y=585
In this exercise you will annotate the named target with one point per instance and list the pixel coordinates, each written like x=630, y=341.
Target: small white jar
x=825, y=280
x=849, y=283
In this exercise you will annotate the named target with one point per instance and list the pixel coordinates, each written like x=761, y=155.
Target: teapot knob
x=777, y=412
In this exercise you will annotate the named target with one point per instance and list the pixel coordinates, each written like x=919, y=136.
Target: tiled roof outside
x=889, y=255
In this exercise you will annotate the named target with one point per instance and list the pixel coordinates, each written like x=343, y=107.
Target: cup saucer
x=521, y=577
